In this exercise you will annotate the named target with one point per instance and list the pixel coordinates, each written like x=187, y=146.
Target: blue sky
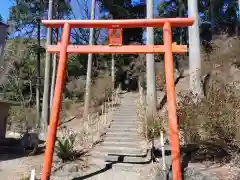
x=5, y=4
x=4, y=8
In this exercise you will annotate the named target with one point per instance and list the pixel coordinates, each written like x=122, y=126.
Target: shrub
x=154, y=127
x=213, y=119
x=101, y=90
x=64, y=147
x=21, y=118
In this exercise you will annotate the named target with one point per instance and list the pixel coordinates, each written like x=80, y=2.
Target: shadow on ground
x=11, y=148
x=109, y=165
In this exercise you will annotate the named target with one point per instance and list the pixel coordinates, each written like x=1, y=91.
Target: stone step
x=122, y=166
x=130, y=110
x=123, y=130
x=124, y=123
x=135, y=149
x=123, y=126
x=124, y=117
x=122, y=134
x=121, y=151
x=119, y=160
x=127, y=159
x=121, y=144
x=120, y=139
x=124, y=114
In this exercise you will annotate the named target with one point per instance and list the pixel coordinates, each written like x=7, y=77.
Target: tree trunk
x=38, y=76
x=194, y=49
x=141, y=92
x=54, y=71
x=181, y=12
x=151, y=76
x=54, y=64
x=47, y=73
x=212, y=16
x=238, y=23
x=89, y=67
x=113, y=72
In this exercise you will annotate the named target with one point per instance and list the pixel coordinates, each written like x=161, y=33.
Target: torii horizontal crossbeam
x=126, y=23
x=129, y=49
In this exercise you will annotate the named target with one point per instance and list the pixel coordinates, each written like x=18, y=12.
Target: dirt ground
x=16, y=165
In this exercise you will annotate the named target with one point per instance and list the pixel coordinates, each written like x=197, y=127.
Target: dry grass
x=225, y=52
x=152, y=126
x=101, y=90
x=213, y=122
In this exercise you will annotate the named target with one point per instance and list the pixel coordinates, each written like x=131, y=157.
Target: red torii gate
x=116, y=47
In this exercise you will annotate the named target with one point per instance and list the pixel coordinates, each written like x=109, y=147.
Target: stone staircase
x=121, y=147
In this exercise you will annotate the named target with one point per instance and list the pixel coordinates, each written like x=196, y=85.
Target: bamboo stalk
x=91, y=127
x=102, y=115
x=98, y=128
x=87, y=127
x=163, y=156
x=33, y=173
x=105, y=114
x=146, y=125
x=112, y=102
